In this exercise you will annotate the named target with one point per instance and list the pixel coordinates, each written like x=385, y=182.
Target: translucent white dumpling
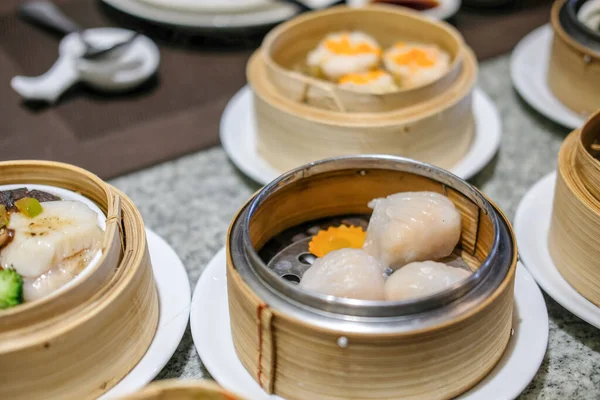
x=420, y=279
x=350, y=273
x=412, y=226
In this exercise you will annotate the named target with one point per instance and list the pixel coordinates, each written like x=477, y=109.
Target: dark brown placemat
x=177, y=112
x=494, y=31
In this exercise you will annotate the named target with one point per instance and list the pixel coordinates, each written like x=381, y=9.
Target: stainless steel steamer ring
x=361, y=316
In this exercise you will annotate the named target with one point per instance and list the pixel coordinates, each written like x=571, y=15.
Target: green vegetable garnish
x=29, y=206
x=11, y=288
x=3, y=217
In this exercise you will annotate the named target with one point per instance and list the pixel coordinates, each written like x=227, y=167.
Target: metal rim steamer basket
x=344, y=320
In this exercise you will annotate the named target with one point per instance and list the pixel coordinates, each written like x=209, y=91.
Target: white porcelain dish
x=532, y=224
x=211, y=332
x=233, y=14
x=529, y=70
x=238, y=137
x=68, y=195
x=174, y=304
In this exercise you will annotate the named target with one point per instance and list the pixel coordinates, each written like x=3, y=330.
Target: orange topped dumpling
x=344, y=53
x=374, y=81
x=416, y=64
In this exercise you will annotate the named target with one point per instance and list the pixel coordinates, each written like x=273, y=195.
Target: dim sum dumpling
x=412, y=226
x=419, y=279
x=416, y=64
x=375, y=81
x=350, y=273
x=344, y=53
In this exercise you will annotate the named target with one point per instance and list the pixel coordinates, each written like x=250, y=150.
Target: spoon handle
x=46, y=14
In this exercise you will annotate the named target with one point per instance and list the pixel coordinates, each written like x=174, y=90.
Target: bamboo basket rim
x=98, y=302
x=159, y=387
x=112, y=229
x=273, y=35
x=484, y=304
x=595, y=117
x=559, y=30
x=406, y=115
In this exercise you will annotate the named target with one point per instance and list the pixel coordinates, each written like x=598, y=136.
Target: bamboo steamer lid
x=173, y=389
x=439, y=130
x=286, y=46
x=80, y=342
x=302, y=345
x=574, y=71
x=574, y=240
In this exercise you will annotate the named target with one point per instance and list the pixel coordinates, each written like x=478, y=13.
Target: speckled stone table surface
x=212, y=190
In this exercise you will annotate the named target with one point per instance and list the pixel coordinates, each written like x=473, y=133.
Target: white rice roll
x=420, y=279
x=374, y=81
x=416, y=64
x=412, y=226
x=344, y=53
x=349, y=273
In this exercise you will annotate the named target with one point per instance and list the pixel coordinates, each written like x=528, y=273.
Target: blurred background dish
x=270, y=14
x=223, y=15
x=529, y=70
x=174, y=389
x=574, y=72
x=532, y=225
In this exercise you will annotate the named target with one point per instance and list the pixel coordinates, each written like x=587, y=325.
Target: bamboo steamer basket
x=285, y=49
x=289, y=134
x=79, y=342
x=574, y=238
x=574, y=71
x=173, y=389
x=302, y=345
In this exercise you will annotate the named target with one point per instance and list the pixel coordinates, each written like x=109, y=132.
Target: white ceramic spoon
x=123, y=68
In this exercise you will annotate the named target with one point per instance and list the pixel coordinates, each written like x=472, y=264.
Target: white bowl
x=68, y=195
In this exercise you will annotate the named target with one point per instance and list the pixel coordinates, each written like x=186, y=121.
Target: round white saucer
x=444, y=10
x=528, y=71
x=238, y=137
x=174, y=303
x=207, y=20
x=532, y=223
x=211, y=332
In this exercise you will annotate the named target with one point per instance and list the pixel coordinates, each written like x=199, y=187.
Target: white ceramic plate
x=212, y=337
x=68, y=195
x=532, y=224
x=174, y=304
x=238, y=137
x=529, y=69
x=218, y=14
x=445, y=9
x=206, y=20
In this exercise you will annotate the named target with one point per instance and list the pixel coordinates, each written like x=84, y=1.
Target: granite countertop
x=214, y=190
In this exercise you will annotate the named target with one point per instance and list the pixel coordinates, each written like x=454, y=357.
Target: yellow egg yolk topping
x=336, y=238
x=414, y=57
x=343, y=46
x=362, y=78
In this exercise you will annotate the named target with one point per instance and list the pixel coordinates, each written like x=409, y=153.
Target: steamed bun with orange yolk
x=374, y=81
x=416, y=64
x=344, y=53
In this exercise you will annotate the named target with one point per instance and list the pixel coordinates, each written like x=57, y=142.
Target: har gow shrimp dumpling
x=343, y=53
x=420, y=279
x=350, y=273
x=412, y=226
